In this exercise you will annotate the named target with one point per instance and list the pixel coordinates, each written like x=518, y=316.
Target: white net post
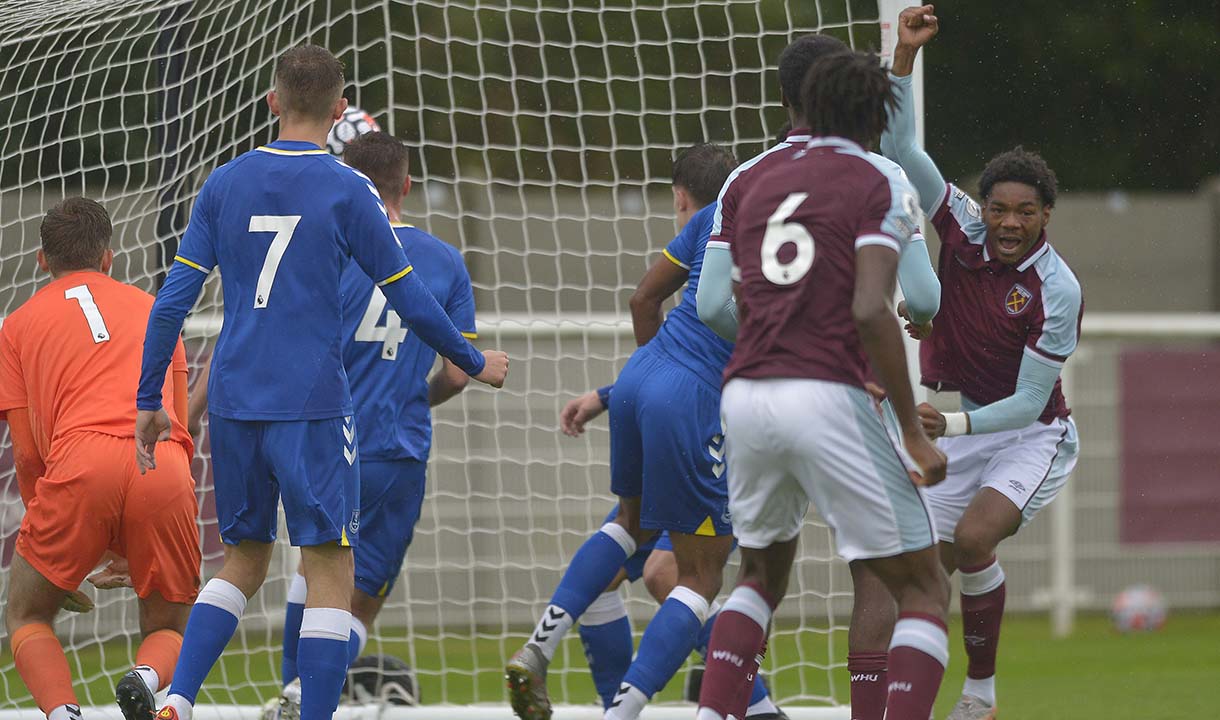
x=888, y=18
x=1062, y=546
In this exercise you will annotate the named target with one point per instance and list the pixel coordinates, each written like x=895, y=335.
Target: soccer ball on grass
x=1138, y=608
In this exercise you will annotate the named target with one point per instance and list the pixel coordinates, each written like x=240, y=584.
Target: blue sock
x=357, y=640
x=605, y=632
x=591, y=569
x=759, y=692
x=668, y=641
x=322, y=660
x=292, y=638
x=211, y=625
x=292, y=627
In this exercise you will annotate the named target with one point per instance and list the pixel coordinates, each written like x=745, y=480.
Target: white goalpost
x=542, y=134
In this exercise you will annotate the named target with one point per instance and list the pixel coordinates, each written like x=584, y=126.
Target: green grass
x=1096, y=673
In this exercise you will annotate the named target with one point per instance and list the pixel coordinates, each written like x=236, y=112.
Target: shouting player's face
x=1015, y=219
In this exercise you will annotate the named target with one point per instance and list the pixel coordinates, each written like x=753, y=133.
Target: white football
x=1139, y=608
x=354, y=123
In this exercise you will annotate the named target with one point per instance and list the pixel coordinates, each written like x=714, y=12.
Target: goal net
x=542, y=136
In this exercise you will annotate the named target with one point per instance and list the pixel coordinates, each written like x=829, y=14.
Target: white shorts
x=791, y=442
x=1028, y=466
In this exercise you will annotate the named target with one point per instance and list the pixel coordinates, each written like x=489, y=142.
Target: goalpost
x=542, y=134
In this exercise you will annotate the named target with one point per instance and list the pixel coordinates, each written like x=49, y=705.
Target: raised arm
x=714, y=297
x=916, y=27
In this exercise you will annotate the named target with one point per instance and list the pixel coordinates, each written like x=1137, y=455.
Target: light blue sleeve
x=1035, y=382
x=714, y=296
x=920, y=286
x=899, y=139
x=1059, y=332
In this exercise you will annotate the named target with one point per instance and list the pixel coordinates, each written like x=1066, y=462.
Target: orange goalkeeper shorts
x=93, y=498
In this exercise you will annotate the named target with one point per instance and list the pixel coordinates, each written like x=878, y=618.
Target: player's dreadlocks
x=1020, y=165
x=797, y=58
x=702, y=170
x=847, y=95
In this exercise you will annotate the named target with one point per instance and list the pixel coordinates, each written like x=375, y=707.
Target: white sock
x=65, y=712
x=150, y=677
x=297, y=589
x=362, y=633
x=627, y=704
x=552, y=626
x=224, y=595
x=982, y=689
x=327, y=624
x=762, y=707
x=708, y=714
x=607, y=608
x=182, y=705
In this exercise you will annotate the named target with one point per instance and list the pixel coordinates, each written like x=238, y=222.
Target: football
x=354, y=123
x=1139, y=608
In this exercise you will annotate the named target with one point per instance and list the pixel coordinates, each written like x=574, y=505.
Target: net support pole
x=390, y=126
x=1062, y=547
x=171, y=213
x=888, y=12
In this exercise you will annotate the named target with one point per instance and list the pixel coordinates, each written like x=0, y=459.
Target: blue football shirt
x=280, y=222
x=683, y=335
x=388, y=366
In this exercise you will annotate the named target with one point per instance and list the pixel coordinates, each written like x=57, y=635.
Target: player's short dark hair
x=382, y=157
x=75, y=234
x=308, y=81
x=847, y=95
x=1023, y=166
x=702, y=170
x=797, y=58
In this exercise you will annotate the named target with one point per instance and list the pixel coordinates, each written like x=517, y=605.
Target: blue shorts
x=309, y=464
x=667, y=446
x=391, y=495
x=634, y=565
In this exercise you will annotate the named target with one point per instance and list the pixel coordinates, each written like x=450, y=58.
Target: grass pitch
x=1096, y=673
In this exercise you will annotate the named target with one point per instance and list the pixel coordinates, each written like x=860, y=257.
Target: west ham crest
x=1017, y=300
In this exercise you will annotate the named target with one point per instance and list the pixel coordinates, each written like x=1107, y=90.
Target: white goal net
x=542, y=137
